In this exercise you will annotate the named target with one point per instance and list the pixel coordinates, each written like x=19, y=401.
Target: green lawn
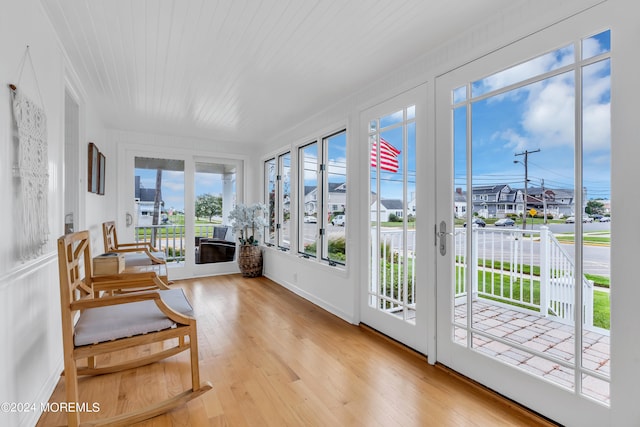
x=502, y=288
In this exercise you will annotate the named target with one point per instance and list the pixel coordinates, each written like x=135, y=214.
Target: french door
x=394, y=297
x=517, y=306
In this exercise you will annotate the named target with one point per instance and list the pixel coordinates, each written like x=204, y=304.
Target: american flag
x=388, y=156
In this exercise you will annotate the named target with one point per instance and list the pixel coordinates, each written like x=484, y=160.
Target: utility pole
x=544, y=203
x=525, y=153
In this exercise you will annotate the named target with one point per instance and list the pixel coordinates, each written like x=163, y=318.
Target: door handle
x=128, y=219
x=442, y=238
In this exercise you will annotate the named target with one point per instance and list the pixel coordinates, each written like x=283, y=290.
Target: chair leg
x=71, y=387
x=195, y=365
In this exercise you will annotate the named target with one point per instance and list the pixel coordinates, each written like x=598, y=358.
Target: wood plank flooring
x=275, y=359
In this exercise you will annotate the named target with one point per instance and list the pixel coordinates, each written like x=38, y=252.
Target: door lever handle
x=442, y=237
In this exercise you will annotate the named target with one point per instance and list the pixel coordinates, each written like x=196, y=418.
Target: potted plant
x=248, y=224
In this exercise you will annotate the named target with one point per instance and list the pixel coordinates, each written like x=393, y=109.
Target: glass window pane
x=596, y=227
x=159, y=204
x=308, y=200
x=392, y=119
x=459, y=94
x=285, y=201
x=411, y=112
x=534, y=67
x=596, y=45
x=270, y=200
x=335, y=198
x=460, y=209
x=215, y=196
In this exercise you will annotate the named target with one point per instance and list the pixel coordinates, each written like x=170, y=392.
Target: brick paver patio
x=543, y=335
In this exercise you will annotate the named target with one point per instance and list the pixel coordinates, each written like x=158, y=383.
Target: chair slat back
x=109, y=236
x=75, y=266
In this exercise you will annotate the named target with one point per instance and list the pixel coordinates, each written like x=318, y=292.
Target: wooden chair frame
x=111, y=244
x=78, y=293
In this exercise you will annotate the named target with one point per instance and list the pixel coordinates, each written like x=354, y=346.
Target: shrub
x=394, y=218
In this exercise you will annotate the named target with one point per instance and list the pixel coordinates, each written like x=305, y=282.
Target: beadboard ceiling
x=243, y=70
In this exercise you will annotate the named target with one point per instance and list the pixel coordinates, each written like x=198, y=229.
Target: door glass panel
x=392, y=144
x=459, y=299
x=596, y=241
x=159, y=205
x=532, y=237
x=215, y=197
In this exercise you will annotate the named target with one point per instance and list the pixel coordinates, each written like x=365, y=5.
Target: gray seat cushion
x=125, y=320
x=132, y=259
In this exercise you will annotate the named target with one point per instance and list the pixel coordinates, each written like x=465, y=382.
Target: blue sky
x=540, y=116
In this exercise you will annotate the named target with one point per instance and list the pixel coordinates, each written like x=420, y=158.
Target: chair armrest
x=127, y=280
x=146, y=249
x=139, y=245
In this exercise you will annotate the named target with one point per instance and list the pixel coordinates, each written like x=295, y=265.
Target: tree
x=594, y=207
x=208, y=205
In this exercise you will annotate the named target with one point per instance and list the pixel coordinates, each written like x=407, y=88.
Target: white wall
x=31, y=349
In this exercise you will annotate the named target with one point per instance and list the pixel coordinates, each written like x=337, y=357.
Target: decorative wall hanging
x=96, y=166
x=31, y=174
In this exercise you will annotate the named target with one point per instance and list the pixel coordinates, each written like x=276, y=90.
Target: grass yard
x=500, y=287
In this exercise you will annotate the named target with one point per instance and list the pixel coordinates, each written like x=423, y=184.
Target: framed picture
x=101, y=164
x=93, y=168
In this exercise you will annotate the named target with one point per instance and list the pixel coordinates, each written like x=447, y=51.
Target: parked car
x=570, y=220
x=605, y=219
x=587, y=219
x=338, y=220
x=477, y=221
x=505, y=222
x=310, y=219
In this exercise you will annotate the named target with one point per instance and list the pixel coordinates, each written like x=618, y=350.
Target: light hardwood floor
x=275, y=359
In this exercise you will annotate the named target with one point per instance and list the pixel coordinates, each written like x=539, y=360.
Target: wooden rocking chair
x=140, y=253
x=106, y=324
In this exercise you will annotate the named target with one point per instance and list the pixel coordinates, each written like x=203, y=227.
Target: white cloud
x=526, y=70
x=514, y=140
x=549, y=115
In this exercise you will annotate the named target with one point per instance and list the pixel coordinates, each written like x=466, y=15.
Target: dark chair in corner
x=220, y=232
x=216, y=248
x=112, y=323
x=216, y=251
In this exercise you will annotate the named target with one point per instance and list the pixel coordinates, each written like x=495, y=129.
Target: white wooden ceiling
x=243, y=70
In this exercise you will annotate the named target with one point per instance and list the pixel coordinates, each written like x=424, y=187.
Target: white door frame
x=415, y=336
x=532, y=391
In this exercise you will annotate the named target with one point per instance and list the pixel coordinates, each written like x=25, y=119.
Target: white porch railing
x=393, y=277
x=170, y=238
x=528, y=270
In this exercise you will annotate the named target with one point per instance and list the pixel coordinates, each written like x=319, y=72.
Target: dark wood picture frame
x=102, y=166
x=93, y=168
x=96, y=170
